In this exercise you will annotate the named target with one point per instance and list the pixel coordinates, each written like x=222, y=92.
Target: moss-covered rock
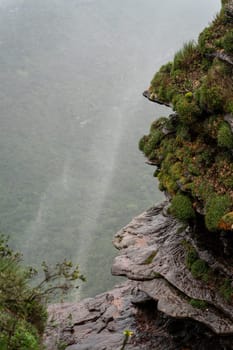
x=193, y=150
x=216, y=208
x=181, y=207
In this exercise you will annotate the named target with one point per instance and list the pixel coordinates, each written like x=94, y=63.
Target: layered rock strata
x=162, y=303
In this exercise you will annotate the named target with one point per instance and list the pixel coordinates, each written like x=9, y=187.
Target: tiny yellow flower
x=128, y=333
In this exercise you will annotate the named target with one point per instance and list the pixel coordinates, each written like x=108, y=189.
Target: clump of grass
x=200, y=270
x=225, y=136
x=226, y=290
x=199, y=304
x=185, y=57
x=191, y=257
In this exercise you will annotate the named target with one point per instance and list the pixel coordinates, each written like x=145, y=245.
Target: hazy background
x=72, y=73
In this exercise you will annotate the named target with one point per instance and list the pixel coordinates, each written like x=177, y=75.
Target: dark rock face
x=156, y=301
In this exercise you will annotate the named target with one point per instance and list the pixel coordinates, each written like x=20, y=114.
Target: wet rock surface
x=162, y=303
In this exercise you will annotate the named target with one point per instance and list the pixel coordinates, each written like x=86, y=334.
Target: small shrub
x=24, y=338
x=187, y=109
x=142, y=142
x=225, y=136
x=210, y=98
x=228, y=42
x=216, y=207
x=183, y=132
x=181, y=207
x=203, y=41
x=200, y=269
x=152, y=141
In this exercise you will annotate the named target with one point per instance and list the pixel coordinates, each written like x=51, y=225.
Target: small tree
x=23, y=306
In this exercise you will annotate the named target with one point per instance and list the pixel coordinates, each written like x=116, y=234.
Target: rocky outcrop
x=154, y=98
x=222, y=56
x=154, y=248
x=95, y=323
x=162, y=303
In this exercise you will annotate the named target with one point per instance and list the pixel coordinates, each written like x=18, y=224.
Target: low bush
x=181, y=207
x=228, y=42
x=151, y=142
x=185, y=57
x=187, y=109
x=217, y=206
x=210, y=98
x=142, y=143
x=200, y=270
x=204, y=38
x=225, y=136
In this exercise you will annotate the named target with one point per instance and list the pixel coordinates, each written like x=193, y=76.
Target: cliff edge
x=176, y=295
x=178, y=255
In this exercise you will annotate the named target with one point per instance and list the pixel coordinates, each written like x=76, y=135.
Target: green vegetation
x=200, y=270
x=225, y=136
x=216, y=208
x=228, y=42
x=23, y=305
x=181, y=207
x=184, y=57
x=226, y=290
x=199, y=304
x=150, y=258
x=192, y=148
x=191, y=254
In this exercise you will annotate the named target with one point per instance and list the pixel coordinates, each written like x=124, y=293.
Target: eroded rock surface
x=154, y=245
x=88, y=324
x=162, y=303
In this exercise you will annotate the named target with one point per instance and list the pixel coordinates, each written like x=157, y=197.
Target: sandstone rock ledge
x=156, y=303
